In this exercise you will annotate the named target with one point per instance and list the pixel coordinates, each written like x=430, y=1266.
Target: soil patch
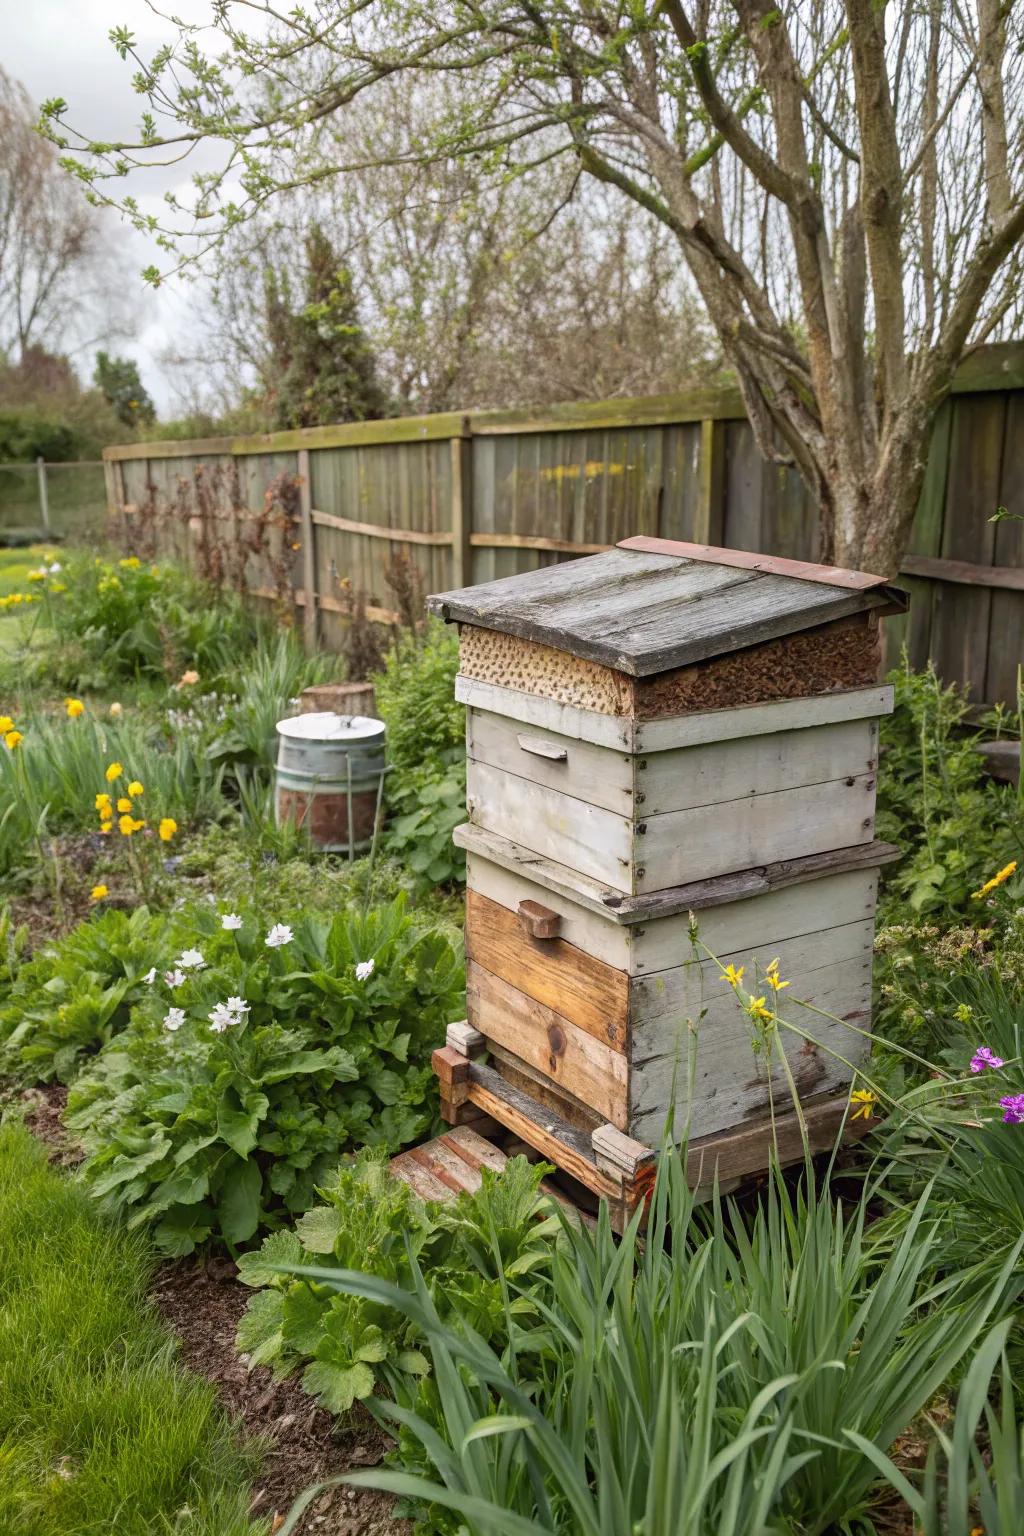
x=203, y=1301
x=44, y=1106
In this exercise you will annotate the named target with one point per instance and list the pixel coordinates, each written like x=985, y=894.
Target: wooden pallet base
x=612, y=1166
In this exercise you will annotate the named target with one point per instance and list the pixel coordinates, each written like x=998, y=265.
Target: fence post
x=708, y=517
x=44, y=500
x=310, y=615
x=462, y=506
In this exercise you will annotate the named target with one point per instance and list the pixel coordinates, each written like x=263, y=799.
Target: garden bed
x=221, y=1038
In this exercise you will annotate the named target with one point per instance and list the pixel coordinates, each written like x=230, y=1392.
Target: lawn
x=235, y=1035
x=100, y=1428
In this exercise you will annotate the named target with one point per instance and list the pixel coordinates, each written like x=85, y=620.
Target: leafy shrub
x=256, y=1061
x=130, y=620
x=466, y=1252
x=416, y=698
x=934, y=800
x=428, y=803
x=74, y=996
x=426, y=787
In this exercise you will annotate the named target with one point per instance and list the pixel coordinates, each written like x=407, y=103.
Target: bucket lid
x=326, y=725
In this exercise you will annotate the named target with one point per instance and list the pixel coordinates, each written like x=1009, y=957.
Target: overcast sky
x=61, y=48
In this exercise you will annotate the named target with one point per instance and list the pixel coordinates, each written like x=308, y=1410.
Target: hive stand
x=665, y=739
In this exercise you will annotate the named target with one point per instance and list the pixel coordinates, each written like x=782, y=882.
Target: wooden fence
x=315, y=516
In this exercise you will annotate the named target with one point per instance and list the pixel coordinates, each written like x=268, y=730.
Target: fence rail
x=313, y=516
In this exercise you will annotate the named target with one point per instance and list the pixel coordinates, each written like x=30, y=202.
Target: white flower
x=174, y=1018
x=364, y=970
x=230, y=921
x=174, y=978
x=238, y=1006
x=55, y=567
x=222, y=1018
x=150, y=976
x=278, y=935
x=191, y=960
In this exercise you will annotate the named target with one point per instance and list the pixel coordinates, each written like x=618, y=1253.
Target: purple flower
x=983, y=1058
x=1013, y=1106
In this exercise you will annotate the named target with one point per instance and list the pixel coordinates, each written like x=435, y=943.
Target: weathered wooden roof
x=651, y=604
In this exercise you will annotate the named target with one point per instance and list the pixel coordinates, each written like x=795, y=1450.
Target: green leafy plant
x=126, y=619
x=934, y=800
x=428, y=803
x=467, y=1252
x=416, y=697
x=74, y=996
x=426, y=788
x=714, y=1379
x=257, y=1059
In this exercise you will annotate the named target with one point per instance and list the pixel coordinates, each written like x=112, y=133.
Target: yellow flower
x=772, y=977
x=113, y=772
x=98, y=892
x=997, y=879
x=105, y=828
x=56, y=587
x=137, y=826
x=130, y=563
x=116, y=710
x=74, y=707
x=6, y=724
x=106, y=813
x=732, y=975
x=135, y=788
x=125, y=825
x=124, y=804
x=13, y=739
x=865, y=1102
x=757, y=1009
x=101, y=800
x=37, y=575
x=168, y=827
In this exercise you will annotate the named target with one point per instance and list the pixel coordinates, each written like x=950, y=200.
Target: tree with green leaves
x=843, y=178
x=119, y=382
x=322, y=369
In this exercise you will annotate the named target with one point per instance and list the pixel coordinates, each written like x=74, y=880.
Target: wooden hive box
x=665, y=738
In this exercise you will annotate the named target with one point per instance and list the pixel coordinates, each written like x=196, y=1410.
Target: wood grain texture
x=675, y=847
x=591, y=994
x=659, y=1000
x=589, y=1070
x=680, y=778
x=643, y=613
x=645, y=736
x=734, y=1155
x=741, y=559
x=730, y=1080
x=697, y=896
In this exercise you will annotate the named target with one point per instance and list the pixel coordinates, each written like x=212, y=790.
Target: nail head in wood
x=462, y=1037
x=540, y=922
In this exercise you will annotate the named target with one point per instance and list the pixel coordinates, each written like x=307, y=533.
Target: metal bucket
x=330, y=778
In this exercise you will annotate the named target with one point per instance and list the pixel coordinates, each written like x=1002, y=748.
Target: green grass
x=101, y=1431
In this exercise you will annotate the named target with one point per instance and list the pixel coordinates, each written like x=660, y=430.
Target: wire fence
x=57, y=500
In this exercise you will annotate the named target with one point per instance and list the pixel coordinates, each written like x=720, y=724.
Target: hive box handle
x=538, y=748
x=538, y=921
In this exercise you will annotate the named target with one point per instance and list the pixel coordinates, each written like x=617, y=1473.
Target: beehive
x=663, y=735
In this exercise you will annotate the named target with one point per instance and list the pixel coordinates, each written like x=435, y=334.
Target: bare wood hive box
x=659, y=731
